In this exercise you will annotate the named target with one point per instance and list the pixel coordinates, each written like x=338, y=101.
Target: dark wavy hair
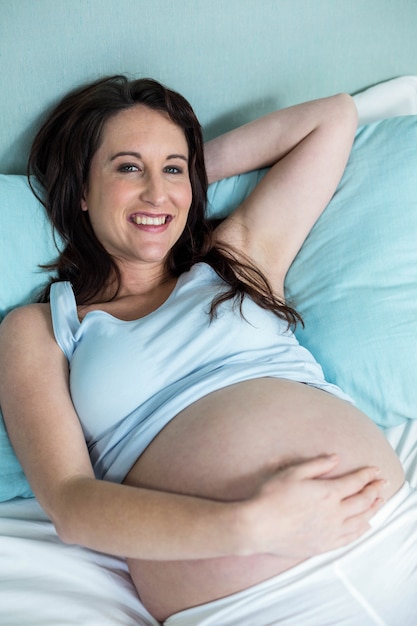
x=60, y=160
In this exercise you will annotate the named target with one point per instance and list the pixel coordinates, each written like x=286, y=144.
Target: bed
x=362, y=328
x=354, y=281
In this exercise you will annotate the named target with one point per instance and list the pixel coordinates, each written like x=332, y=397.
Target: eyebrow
x=137, y=155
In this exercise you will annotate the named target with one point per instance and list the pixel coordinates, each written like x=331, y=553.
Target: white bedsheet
x=44, y=582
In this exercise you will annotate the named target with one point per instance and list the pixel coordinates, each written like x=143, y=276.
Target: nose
x=153, y=190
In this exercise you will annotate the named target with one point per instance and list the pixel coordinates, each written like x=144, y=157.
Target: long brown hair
x=60, y=160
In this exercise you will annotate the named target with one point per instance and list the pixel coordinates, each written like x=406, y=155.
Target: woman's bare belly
x=221, y=447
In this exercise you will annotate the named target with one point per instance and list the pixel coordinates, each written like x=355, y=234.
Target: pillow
x=355, y=279
x=25, y=241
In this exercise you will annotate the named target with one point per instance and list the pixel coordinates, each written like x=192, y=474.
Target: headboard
x=233, y=60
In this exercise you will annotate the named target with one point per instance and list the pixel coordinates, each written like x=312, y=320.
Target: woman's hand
x=299, y=512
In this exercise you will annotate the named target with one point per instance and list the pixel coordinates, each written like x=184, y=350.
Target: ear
x=84, y=206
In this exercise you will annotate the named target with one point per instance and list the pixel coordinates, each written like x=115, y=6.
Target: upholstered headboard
x=234, y=59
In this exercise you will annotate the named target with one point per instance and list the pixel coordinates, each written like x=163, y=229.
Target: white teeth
x=149, y=221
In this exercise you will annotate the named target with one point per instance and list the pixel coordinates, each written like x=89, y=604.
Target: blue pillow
x=25, y=241
x=355, y=279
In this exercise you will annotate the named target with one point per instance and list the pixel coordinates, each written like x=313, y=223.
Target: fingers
x=346, y=485
x=365, y=503
x=357, y=495
x=317, y=467
x=355, y=526
x=353, y=522
x=357, y=482
x=319, y=512
x=358, y=488
x=359, y=509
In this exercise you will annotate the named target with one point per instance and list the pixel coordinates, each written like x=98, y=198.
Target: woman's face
x=139, y=192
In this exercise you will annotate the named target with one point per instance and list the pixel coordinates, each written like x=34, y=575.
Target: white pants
x=373, y=581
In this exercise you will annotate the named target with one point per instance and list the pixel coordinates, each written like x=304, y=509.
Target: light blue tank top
x=129, y=379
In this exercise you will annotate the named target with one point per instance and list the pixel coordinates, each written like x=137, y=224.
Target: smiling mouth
x=146, y=220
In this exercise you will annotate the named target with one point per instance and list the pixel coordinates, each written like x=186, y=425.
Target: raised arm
x=146, y=524
x=307, y=147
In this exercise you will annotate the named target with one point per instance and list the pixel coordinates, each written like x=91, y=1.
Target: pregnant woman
x=156, y=395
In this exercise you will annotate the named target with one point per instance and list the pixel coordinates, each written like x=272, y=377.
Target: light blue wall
x=233, y=59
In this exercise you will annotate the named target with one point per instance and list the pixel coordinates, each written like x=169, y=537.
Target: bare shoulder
x=31, y=318
x=26, y=328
